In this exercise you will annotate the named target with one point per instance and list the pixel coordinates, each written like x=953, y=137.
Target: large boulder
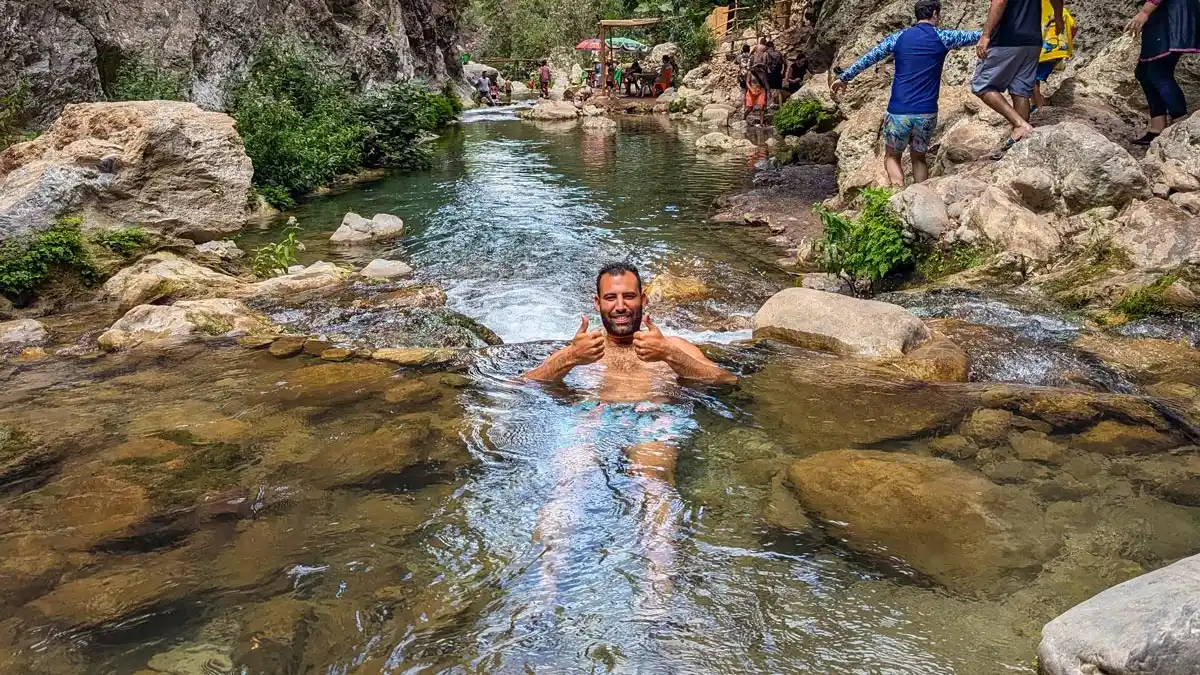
x=838, y=324
x=658, y=51
x=922, y=210
x=1174, y=157
x=166, y=166
x=166, y=276
x=218, y=316
x=551, y=111
x=998, y=216
x=358, y=230
x=314, y=277
x=1070, y=168
x=951, y=524
x=715, y=115
x=1157, y=234
x=1144, y=626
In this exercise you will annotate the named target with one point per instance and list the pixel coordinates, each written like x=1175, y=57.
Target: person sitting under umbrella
x=665, y=75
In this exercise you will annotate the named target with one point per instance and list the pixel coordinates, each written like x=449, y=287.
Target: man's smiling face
x=620, y=302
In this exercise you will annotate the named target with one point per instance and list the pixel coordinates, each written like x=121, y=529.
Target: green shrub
x=936, y=262
x=26, y=263
x=12, y=113
x=278, y=197
x=1146, y=301
x=125, y=241
x=678, y=105
x=696, y=44
x=275, y=259
x=140, y=81
x=796, y=117
x=298, y=119
x=397, y=118
x=866, y=249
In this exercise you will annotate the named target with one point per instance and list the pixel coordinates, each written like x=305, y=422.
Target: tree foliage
x=140, y=81
x=798, y=116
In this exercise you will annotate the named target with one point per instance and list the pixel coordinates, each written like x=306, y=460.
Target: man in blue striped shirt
x=920, y=52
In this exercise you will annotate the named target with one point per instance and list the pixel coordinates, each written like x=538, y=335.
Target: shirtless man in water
x=638, y=365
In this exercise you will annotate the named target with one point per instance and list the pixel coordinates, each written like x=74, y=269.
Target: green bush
x=299, y=121
x=12, y=113
x=936, y=262
x=26, y=263
x=140, y=81
x=866, y=249
x=696, y=43
x=278, y=197
x=678, y=105
x=796, y=117
x=303, y=124
x=125, y=241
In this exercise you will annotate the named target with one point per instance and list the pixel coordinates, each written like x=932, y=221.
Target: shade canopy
x=618, y=43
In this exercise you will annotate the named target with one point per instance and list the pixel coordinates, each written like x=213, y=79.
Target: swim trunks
x=903, y=131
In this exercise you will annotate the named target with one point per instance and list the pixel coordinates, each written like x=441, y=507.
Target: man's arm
x=584, y=349
x=689, y=363
x=878, y=53
x=1059, y=22
x=957, y=39
x=995, y=13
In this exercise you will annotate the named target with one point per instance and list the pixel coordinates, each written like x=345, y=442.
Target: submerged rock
x=358, y=230
x=1141, y=627
x=951, y=524
x=146, y=323
x=551, y=111
x=414, y=356
x=719, y=142
x=172, y=168
x=838, y=324
x=671, y=289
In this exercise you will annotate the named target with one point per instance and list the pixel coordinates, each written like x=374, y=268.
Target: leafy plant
x=796, y=117
x=12, y=112
x=1146, y=301
x=277, y=196
x=936, y=262
x=140, y=81
x=275, y=259
x=125, y=241
x=397, y=118
x=26, y=263
x=868, y=248
x=678, y=105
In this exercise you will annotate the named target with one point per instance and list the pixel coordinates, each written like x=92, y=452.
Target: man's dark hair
x=746, y=47
x=925, y=9
x=617, y=269
x=771, y=43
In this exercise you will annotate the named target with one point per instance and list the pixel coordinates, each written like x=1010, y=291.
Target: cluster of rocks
x=287, y=346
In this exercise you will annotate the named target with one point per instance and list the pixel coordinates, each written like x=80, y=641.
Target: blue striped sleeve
x=877, y=54
x=957, y=39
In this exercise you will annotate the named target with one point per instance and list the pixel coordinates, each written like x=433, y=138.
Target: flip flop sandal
x=1008, y=145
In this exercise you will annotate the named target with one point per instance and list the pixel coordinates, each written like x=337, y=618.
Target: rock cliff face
x=69, y=50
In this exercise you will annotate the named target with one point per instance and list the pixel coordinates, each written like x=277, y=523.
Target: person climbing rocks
x=482, y=88
x=797, y=70
x=1056, y=49
x=775, y=66
x=544, y=79
x=743, y=66
x=920, y=54
x=757, y=83
x=1169, y=29
x=1009, y=52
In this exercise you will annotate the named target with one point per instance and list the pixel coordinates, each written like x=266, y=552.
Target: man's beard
x=635, y=323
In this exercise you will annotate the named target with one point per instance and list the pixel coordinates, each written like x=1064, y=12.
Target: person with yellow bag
x=1055, y=49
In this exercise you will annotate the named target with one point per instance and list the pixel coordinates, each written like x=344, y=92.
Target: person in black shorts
x=1008, y=61
x=775, y=66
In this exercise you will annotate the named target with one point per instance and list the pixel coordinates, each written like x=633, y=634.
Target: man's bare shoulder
x=689, y=348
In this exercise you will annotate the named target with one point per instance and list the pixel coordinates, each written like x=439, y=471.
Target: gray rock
x=1145, y=626
x=55, y=45
x=221, y=250
x=922, y=210
x=1174, y=157
x=838, y=324
x=830, y=283
x=358, y=230
x=1158, y=234
x=386, y=269
x=21, y=333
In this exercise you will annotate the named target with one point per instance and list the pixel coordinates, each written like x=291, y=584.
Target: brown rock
x=333, y=383
x=782, y=509
x=671, y=289
x=414, y=356
x=287, y=346
x=118, y=592
x=1114, y=438
x=411, y=393
x=256, y=341
x=950, y=524
x=336, y=355
x=954, y=447
x=987, y=427
x=316, y=347
x=1034, y=446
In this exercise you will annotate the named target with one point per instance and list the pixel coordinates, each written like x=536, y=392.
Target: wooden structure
x=604, y=35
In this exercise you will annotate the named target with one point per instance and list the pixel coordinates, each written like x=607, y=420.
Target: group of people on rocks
x=765, y=74
x=1022, y=44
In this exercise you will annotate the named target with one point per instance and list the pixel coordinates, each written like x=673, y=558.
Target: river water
x=210, y=509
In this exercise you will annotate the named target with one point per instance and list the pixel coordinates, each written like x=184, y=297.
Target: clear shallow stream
x=211, y=509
